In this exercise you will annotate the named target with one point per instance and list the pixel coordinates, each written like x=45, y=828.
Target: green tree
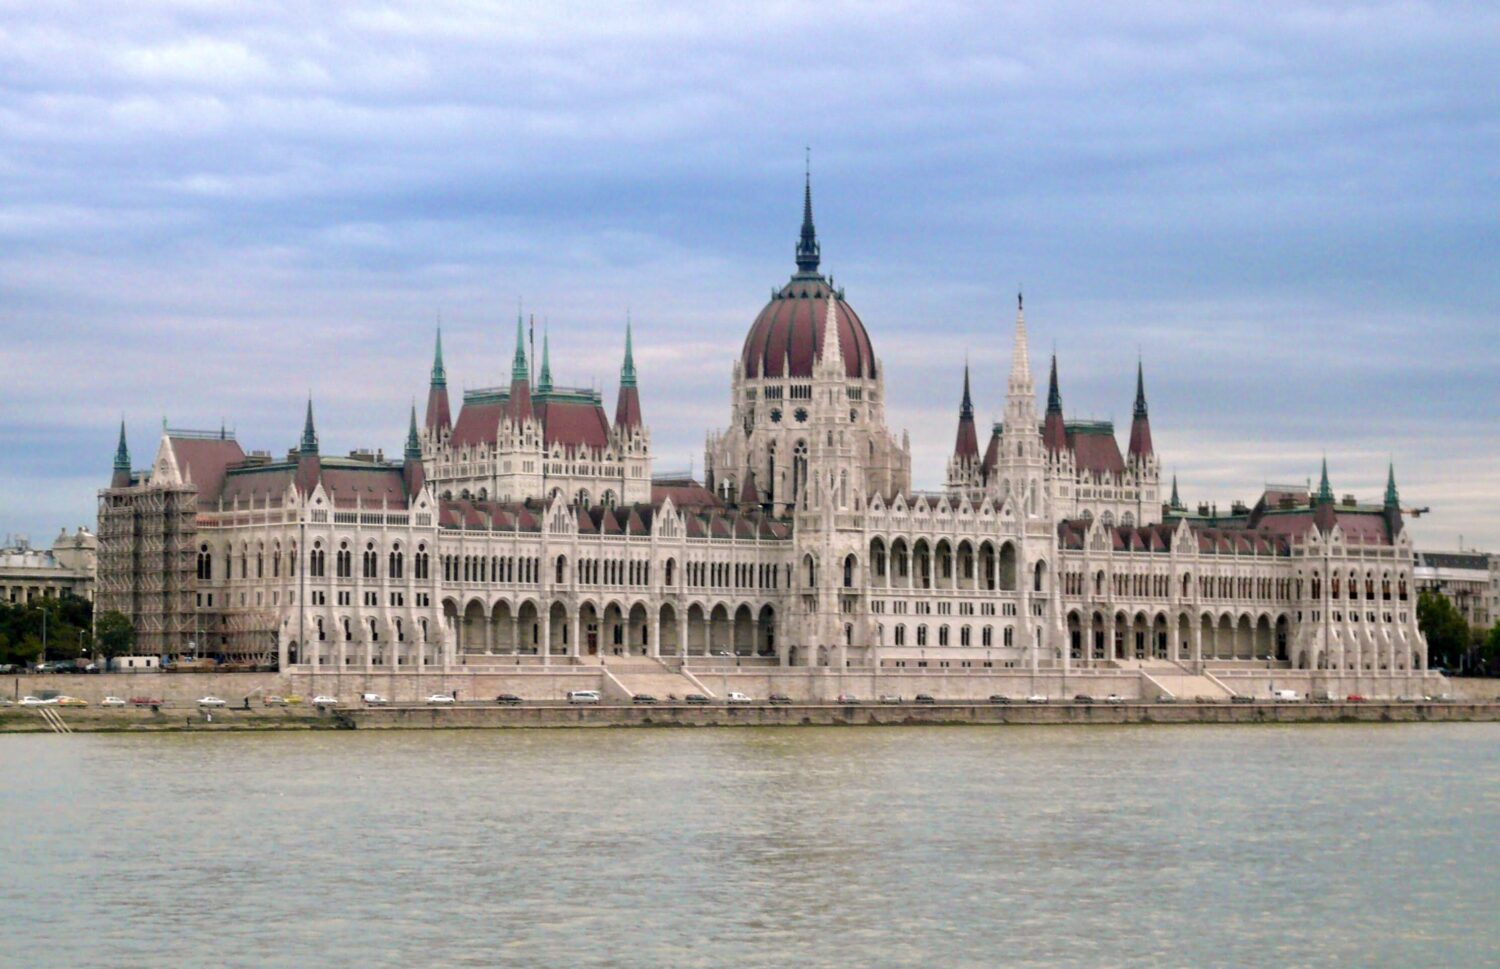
x=1446, y=631
x=113, y=635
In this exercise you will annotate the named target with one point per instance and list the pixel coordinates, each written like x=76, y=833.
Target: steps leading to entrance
x=1186, y=686
x=641, y=674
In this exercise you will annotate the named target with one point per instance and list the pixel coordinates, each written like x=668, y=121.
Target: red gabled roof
x=204, y=461
x=478, y=423
x=684, y=494
x=573, y=424
x=1096, y=452
x=347, y=486
x=258, y=486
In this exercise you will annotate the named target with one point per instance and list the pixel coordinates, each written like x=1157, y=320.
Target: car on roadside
x=1114, y=698
x=1354, y=698
x=888, y=698
x=643, y=700
x=36, y=701
x=7, y=668
x=6, y=701
x=323, y=700
x=1083, y=699
x=1404, y=698
x=1036, y=698
x=272, y=700
x=111, y=701
x=1166, y=698
x=146, y=701
x=1241, y=698
x=734, y=697
x=440, y=699
x=999, y=699
x=697, y=699
x=848, y=698
x=71, y=701
x=374, y=699
x=508, y=700
x=779, y=700
x=584, y=696
x=210, y=701
x=925, y=699
x=293, y=699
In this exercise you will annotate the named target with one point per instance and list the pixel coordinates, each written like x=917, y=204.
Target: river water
x=1312, y=845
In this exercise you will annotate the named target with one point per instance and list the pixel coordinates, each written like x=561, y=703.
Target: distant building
x=1470, y=580
x=67, y=568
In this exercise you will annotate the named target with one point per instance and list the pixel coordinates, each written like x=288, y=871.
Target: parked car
x=888, y=698
x=1354, y=698
x=146, y=701
x=36, y=701
x=374, y=699
x=111, y=701
x=6, y=668
x=697, y=699
x=1404, y=698
x=210, y=701
x=733, y=697
x=293, y=699
x=440, y=699
x=1114, y=698
x=643, y=699
x=71, y=701
x=1286, y=696
x=272, y=700
x=1241, y=698
x=1166, y=698
x=87, y=668
x=508, y=700
x=925, y=699
x=999, y=698
x=778, y=699
x=323, y=700
x=6, y=701
x=848, y=698
x=1083, y=698
x=1036, y=698
x=583, y=696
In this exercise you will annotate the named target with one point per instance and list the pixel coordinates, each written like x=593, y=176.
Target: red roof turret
x=1140, y=426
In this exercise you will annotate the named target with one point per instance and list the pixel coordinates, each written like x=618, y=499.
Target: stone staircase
x=624, y=677
x=1169, y=677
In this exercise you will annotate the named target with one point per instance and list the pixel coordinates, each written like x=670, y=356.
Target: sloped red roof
x=204, y=461
x=573, y=424
x=258, y=486
x=688, y=494
x=790, y=330
x=478, y=423
x=347, y=486
x=1096, y=452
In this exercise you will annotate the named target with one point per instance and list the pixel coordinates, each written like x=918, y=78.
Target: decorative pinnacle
x=966, y=408
x=1392, y=496
x=439, y=375
x=1054, y=396
x=519, y=370
x=1176, y=501
x=808, y=252
x=1325, y=493
x=122, y=453
x=1140, y=390
x=544, y=379
x=627, y=369
x=413, y=445
x=309, y=434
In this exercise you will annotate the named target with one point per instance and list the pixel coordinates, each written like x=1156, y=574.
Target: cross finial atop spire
x=808, y=253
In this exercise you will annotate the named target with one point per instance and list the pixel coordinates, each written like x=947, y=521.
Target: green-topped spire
x=1392, y=496
x=1176, y=501
x=518, y=369
x=439, y=375
x=309, y=433
x=122, y=453
x=1325, y=493
x=544, y=380
x=413, y=444
x=627, y=370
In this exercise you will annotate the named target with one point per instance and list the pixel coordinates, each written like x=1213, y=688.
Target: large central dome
x=787, y=336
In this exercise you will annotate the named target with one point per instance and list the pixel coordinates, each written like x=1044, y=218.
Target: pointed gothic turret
x=309, y=444
x=544, y=379
x=121, y=476
x=1392, y=502
x=411, y=469
x=1325, y=491
x=520, y=379
x=966, y=447
x=1323, y=514
x=439, y=417
x=808, y=253
x=831, y=351
x=1140, y=425
x=628, y=404
x=1176, y=504
x=309, y=465
x=1054, y=434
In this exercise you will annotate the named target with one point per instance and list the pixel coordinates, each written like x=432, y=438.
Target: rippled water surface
x=1051, y=846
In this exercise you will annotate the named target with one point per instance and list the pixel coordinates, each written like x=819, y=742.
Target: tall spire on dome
x=966, y=446
x=544, y=379
x=1140, y=425
x=808, y=253
x=121, y=476
x=309, y=443
x=1054, y=433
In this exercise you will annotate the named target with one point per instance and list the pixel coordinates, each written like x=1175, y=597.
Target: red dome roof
x=790, y=330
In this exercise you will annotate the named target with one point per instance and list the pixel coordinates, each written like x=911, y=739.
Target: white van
x=583, y=696
x=374, y=699
x=1285, y=696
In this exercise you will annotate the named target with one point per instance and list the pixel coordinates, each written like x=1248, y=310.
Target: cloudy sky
x=1288, y=210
